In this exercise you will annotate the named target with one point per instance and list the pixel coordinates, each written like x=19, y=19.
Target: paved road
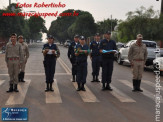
x=67, y=105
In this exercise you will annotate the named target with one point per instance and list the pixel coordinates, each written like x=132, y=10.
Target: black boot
x=103, y=87
x=51, y=88
x=19, y=77
x=108, y=87
x=22, y=78
x=16, y=88
x=97, y=80
x=78, y=89
x=47, y=87
x=10, y=89
x=134, y=85
x=138, y=86
x=83, y=88
x=93, y=79
x=73, y=78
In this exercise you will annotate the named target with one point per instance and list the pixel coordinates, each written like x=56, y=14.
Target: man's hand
x=46, y=50
x=132, y=64
x=53, y=51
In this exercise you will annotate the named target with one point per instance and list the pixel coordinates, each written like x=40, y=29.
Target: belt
x=138, y=60
x=16, y=58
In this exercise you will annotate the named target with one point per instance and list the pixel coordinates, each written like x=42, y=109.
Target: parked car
x=151, y=47
x=3, y=49
x=158, y=64
x=119, y=46
x=67, y=43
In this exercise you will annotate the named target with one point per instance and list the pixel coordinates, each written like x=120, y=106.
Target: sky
x=100, y=9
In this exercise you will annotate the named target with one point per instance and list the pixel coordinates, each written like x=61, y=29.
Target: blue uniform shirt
x=94, y=46
x=52, y=47
x=108, y=45
x=71, y=52
x=81, y=57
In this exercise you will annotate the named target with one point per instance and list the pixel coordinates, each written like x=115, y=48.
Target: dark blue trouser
x=95, y=65
x=107, y=70
x=49, y=64
x=81, y=72
x=74, y=66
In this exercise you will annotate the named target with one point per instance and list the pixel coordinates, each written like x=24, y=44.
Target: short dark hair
x=13, y=34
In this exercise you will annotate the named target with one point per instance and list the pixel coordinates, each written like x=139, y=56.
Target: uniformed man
x=107, y=60
x=72, y=57
x=14, y=60
x=137, y=56
x=81, y=52
x=26, y=56
x=51, y=53
x=95, y=57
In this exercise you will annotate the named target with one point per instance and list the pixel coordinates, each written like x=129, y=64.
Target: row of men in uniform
x=79, y=50
x=16, y=57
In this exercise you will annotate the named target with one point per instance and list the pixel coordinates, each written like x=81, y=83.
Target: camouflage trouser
x=138, y=68
x=13, y=71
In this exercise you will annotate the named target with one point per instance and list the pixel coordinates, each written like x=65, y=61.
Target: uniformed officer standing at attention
x=81, y=52
x=107, y=60
x=26, y=56
x=95, y=57
x=14, y=60
x=137, y=56
x=51, y=53
x=72, y=57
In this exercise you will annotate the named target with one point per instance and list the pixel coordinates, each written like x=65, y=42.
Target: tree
x=84, y=25
x=144, y=21
x=36, y=25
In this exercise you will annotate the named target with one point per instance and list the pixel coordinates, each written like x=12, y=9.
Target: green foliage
x=30, y=29
x=65, y=27
x=103, y=26
x=144, y=21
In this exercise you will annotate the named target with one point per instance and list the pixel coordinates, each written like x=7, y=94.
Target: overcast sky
x=100, y=9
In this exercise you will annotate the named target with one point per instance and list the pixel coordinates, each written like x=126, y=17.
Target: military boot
x=79, y=88
x=103, y=87
x=22, y=78
x=97, y=80
x=10, y=89
x=51, y=87
x=93, y=79
x=138, y=86
x=108, y=87
x=134, y=85
x=47, y=87
x=83, y=88
x=19, y=77
x=16, y=88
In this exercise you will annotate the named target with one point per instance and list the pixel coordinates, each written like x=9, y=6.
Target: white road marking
x=87, y=96
x=38, y=74
x=1, y=82
x=145, y=92
x=150, y=84
x=65, y=67
x=18, y=98
x=122, y=97
x=54, y=97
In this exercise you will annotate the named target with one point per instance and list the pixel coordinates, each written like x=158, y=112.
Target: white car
x=158, y=64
